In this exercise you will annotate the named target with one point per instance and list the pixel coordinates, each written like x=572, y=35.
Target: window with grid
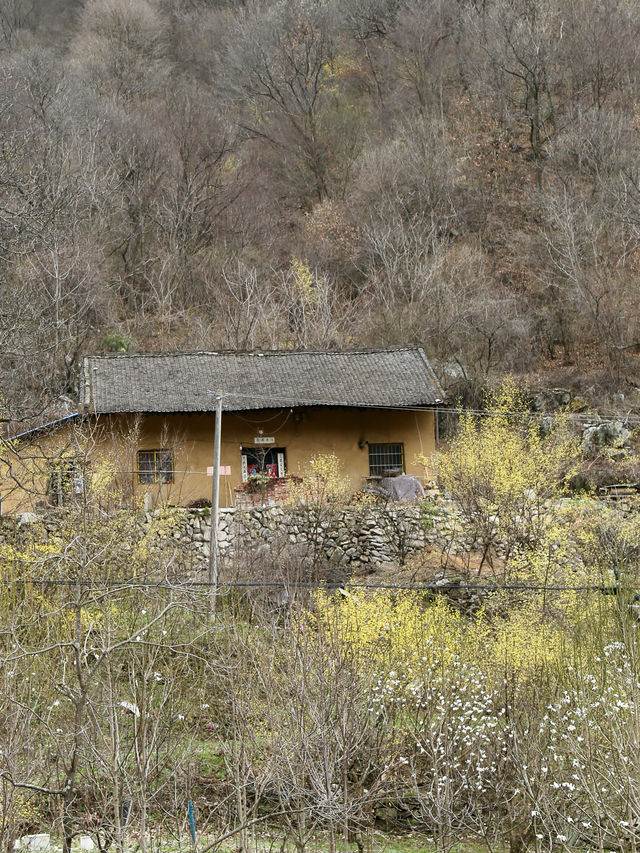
x=155, y=466
x=64, y=482
x=385, y=459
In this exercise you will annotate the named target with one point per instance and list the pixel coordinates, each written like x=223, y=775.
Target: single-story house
x=153, y=415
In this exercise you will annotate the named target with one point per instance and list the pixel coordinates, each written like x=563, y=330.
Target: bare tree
x=524, y=42
x=589, y=254
x=120, y=46
x=280, y=64
x=16, y=16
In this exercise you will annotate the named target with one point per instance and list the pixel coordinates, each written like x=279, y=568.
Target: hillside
x=200, y=175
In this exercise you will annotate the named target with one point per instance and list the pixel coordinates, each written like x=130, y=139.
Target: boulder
x=42, y=841
x=28, y=518
x=610, y=434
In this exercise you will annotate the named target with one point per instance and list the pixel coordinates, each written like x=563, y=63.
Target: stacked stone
x=354, y=537
x=357, y=539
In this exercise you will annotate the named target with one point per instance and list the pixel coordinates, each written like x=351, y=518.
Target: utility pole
x=215, y=501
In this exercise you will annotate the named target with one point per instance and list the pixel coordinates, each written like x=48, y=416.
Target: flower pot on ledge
x=261, y=490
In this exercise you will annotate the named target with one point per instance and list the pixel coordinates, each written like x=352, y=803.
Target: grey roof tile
x=181, y=382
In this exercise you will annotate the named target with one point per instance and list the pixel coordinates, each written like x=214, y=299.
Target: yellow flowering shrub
x=504, y=474
x=305, y=283
x=322, y=482
x=403, y=631
x=503, y=459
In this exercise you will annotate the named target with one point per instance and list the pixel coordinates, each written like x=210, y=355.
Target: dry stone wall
x=353, y=540
x=357, y=538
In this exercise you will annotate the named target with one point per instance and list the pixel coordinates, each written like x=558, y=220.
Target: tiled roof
x=182, y=382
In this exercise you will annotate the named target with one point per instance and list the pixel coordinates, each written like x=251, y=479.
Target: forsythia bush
x=503, y=460
x=506, y=475
x=401, y=629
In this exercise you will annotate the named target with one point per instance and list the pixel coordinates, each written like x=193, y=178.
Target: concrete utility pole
x=215, y=501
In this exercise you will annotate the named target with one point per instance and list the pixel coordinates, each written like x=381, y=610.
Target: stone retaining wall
x=354, y=538
x=358, y=538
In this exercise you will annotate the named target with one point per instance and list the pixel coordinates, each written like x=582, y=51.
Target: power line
x=288, y=402
x=437, y=586
x=260, y=420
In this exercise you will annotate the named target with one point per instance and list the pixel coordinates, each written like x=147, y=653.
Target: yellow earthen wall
x=302, y=433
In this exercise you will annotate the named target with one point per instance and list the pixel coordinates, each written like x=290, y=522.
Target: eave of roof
x=50, y=426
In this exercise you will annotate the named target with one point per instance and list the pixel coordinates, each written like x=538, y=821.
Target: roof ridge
x=259, y=353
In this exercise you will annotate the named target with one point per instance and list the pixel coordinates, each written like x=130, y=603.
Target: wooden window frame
x=158, y=473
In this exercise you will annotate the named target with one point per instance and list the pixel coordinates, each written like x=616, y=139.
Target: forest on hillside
x=202, y=174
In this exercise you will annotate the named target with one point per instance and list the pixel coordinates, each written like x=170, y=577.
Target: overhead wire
x=260, y=421
x=288, y=402
x=438, y=586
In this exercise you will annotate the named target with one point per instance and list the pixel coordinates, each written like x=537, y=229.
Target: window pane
x=155, y=466
x=146, y=466
x=60, y=485
x=164, y=466
x=386, y=459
